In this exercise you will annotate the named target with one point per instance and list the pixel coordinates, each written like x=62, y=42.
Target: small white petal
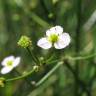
x=54, y=30
x=63, y=41
x=9, y=58
x=6, y=70
x=16, y=61
x=44, y=43
x=58, y=29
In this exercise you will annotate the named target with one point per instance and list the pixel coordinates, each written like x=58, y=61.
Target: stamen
x=9, y=63
x=53, y=38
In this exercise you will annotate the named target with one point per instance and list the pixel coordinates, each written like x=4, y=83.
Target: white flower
x=54, y=37
x=9, y=63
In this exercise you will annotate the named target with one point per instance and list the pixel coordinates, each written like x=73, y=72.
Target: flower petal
x=63, y=41
x=6, y=70
x=44, y=43
x=54, y=30
x=16, y=61
x=9, y=58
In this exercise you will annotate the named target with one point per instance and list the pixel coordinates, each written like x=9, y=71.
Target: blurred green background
x=32, y=18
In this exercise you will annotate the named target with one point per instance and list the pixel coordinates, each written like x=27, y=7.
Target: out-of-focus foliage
x=32, y=18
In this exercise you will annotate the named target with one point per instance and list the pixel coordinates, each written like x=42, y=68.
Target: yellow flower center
x=53, y=38
x=9, y=63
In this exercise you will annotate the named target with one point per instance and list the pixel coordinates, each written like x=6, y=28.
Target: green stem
x=80, y=82
x=81, y=57
x=19, y=74
x=35, y=59
x=78, y=45
x=74, y=58
x=20, y=77
x=39, y=20
x=29, y=73
x=54, y=61
x=49, y=74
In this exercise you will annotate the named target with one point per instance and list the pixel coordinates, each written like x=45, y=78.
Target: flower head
x=54, y=37
x=24, y=42
x=9, y=63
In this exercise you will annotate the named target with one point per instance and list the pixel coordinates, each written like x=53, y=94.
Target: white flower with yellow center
x=54, y=37
x=9, y=63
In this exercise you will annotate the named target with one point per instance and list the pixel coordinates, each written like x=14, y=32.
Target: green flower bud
x=2, y=81
x=24, y=42
x=36, y=68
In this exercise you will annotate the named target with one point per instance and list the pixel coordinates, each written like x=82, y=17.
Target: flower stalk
x=49, y=74
x=53, y=70
x=34, y=58
x=20, y=77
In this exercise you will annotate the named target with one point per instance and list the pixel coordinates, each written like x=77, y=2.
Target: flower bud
x=2, y=81
x=36, y=68
x=24, y=42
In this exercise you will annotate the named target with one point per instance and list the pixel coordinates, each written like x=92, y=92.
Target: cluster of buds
x=24, y=42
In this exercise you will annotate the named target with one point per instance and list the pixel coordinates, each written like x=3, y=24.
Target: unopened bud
x=2, y=81
x=36, y=68
x=24, y=42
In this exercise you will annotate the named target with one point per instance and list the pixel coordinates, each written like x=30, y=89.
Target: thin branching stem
x=49, y=74
x=20, y=77
x=35, y=59
x=68, y=58
x=81, y=57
